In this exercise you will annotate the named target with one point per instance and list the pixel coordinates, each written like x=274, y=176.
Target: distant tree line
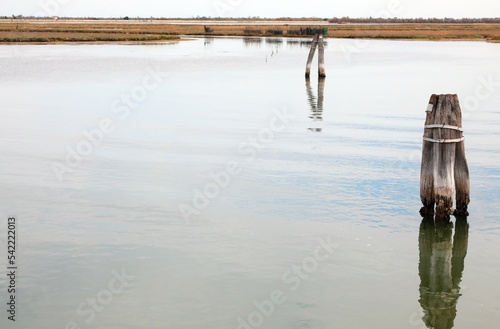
x=308, y=31
x=197, y=18
x=380, y=20
x=336, y=20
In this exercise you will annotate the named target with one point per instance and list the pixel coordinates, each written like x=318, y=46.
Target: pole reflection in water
x=208, y=41
x=316, y=104
x=253, y=42
x=440, y=269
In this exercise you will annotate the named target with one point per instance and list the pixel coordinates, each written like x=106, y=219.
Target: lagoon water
x=206, y=184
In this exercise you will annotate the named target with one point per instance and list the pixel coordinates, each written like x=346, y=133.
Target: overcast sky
x=245, y=8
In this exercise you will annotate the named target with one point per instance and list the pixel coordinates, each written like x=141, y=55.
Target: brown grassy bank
x=16, y=30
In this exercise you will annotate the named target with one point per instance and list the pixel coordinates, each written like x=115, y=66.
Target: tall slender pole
x=314, y=44
x=321, y=58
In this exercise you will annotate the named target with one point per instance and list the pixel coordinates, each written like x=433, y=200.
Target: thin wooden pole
x=444, y=157
x=321, y=58
x=314, y=44
x=462, y=180
x=427, y=168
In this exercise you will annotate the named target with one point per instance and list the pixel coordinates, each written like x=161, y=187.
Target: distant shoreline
x=36, y=31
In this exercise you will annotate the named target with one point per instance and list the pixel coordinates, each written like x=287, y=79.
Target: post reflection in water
x=252, y=42
x=208, y=41
x=276, y=42
x=316, y=103
x=440, y=270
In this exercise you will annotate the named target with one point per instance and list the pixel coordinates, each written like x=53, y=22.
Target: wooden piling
x=321, y=58
x=314, y=44
x=444, y=166
x=462, y=180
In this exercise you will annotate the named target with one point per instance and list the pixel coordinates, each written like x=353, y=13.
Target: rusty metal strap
x=444, y=141
x=444, y=127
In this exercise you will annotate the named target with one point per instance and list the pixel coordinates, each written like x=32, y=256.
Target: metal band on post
x=444, y=141
x=443, y=126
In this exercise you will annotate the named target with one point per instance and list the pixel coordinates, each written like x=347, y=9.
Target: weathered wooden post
x=321, y=58
x=314, y=44
x=444, y=166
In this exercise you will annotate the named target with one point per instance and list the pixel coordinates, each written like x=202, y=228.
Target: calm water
x=205, y=184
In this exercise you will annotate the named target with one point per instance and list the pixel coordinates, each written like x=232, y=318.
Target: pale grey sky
x=245, y=8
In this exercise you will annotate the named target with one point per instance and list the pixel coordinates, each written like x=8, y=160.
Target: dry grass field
x=53, y=31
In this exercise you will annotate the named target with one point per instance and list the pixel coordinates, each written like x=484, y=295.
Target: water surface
x=312, y=164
